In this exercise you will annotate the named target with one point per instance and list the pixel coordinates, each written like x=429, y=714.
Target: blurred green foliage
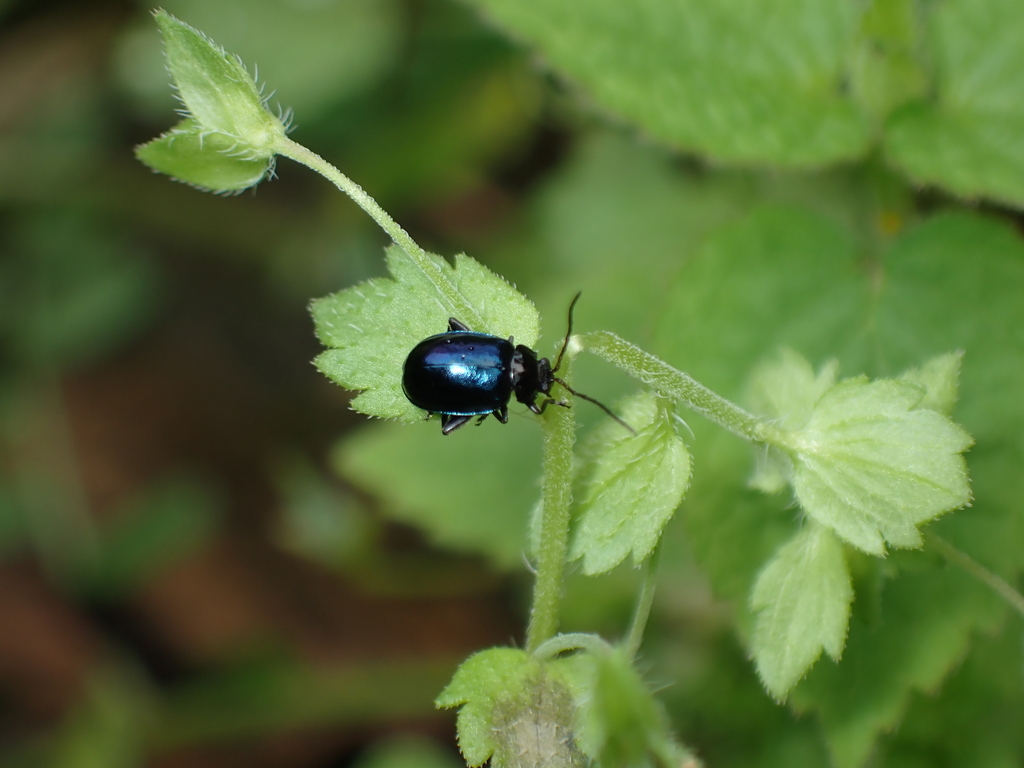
x=794, y=219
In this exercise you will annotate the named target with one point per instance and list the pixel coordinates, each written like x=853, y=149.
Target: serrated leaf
x=204, y=160
x=477, y=686
x=371, y=327
x=741, y=81
x=969, y=138
x=219, y=93
x=872, y=466
x=791, y=278
x=637, y=483
x=940, y=379
x=802, y=598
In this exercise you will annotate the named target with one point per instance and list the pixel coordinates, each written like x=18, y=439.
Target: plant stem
x=556, y=497
x=570, y=642
x=432, y=267
x=680, y=387
x=635, y=636
x=978, y=571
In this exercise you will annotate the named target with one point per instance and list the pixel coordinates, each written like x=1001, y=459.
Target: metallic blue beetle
x=461, y=374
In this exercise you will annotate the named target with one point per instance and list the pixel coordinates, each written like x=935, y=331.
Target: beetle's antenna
x=568, y=333
x=602, y=406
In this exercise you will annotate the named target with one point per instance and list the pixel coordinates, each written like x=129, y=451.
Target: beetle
x=461, y=374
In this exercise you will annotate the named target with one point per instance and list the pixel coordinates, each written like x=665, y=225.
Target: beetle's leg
x=501, y=414
x=482, y=419
x=456, y=325
x=539, y=409
x=450, y=422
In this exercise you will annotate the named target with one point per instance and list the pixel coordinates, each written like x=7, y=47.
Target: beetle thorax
x=530, y=376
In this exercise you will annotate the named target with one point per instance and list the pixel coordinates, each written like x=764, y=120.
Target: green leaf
x=203, y=159
x=970, y=138
x=802, y=598
x=219, y=93
x=873, y=466
x=371, y=327
x=886, y=69
x=784, y=389
x=479, y=683
x=783, y=277
x=870, y=460
x=637, y=483
x=970, y=155
x=514, y=709
x=742, y=81
x=618, y=721
x=940, y=379
x=924, y=628
x=779, y=277
x=410, y=468
x=966, y=723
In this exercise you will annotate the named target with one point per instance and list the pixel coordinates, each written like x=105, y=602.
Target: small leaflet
x=636, y=483
x=802, y=599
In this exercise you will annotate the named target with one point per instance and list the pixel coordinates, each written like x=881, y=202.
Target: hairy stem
x=556, y=497
x=680, y=387
x=431, y=267
x=978, y=571
x=571, y=642
x=635, y=636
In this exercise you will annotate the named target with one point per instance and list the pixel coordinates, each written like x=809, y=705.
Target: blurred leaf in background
x=966, y=137
x=740, y=81
x=110, y=727
x=763, y=83
x=173, y=518
x=73, y=290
